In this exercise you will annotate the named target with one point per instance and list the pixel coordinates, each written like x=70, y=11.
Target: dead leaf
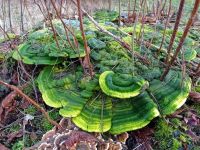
x=122, y=137
x=7, y=105
x=2, y=147
x=8, y=100
x=195, y=96
x=33, y=136
x=77, y=136
x=14, y=135
x=191, y=119
x=142, y=137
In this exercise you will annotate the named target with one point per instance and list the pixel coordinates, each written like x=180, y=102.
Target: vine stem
x=17, y=90
x=187, y=28
x=83, y=36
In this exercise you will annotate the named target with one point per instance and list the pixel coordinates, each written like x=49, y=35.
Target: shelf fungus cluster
x=124, y=94
x=111, y=101
x=41, y=48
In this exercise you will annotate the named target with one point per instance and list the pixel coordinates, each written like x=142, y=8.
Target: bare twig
x=181, y=5
x=53, y=29
x=198, y=68
x=189, y=23
x=32, y=102
x=84, y=38
x=134, y=6
x=110, y=4
x=9, y=14
x=166, y=23
x=119, y=21
x=65, y=27
x=5, y=33
x=22, y=16
x=129, y=7
x=116, y=38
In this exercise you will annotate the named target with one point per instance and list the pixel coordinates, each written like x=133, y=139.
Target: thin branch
x=5, y=33
x=198, y=68
x=162, y=10
x=9, y=14
x=187, y=28
x=83, y=36
x=51, y=23
x=129, y=7
x=116, y=38
x=181, y=5
x=22, y=16
x=119, y=21
x=167, y=21
x=65, y=27
x=110, y=4
x=32, y=102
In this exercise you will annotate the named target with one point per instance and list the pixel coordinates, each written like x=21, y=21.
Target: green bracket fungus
x=96, y=43
x=59, y=90
x=113, y=101
x=33, y=54
x=172, y=93
x=41, y=48
x=96, y=115
x=133, y=113
x=42, y=35
x=93, y=111
x=190, y=54
x=121, y=85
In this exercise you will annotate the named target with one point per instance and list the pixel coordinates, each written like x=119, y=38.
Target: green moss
x=46, y=125
x=19, y=145
x=170, y=135
x=30, y=110
x=14, y=128
x=175, y=144
x=28, y=141
x=196, y=107
x=54, y=114
x=163, y=130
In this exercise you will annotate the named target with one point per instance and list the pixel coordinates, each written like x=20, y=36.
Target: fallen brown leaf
x=14, y=135
x=7, y=105
x=195, y=96
x=2, y=147
x=122, y=137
